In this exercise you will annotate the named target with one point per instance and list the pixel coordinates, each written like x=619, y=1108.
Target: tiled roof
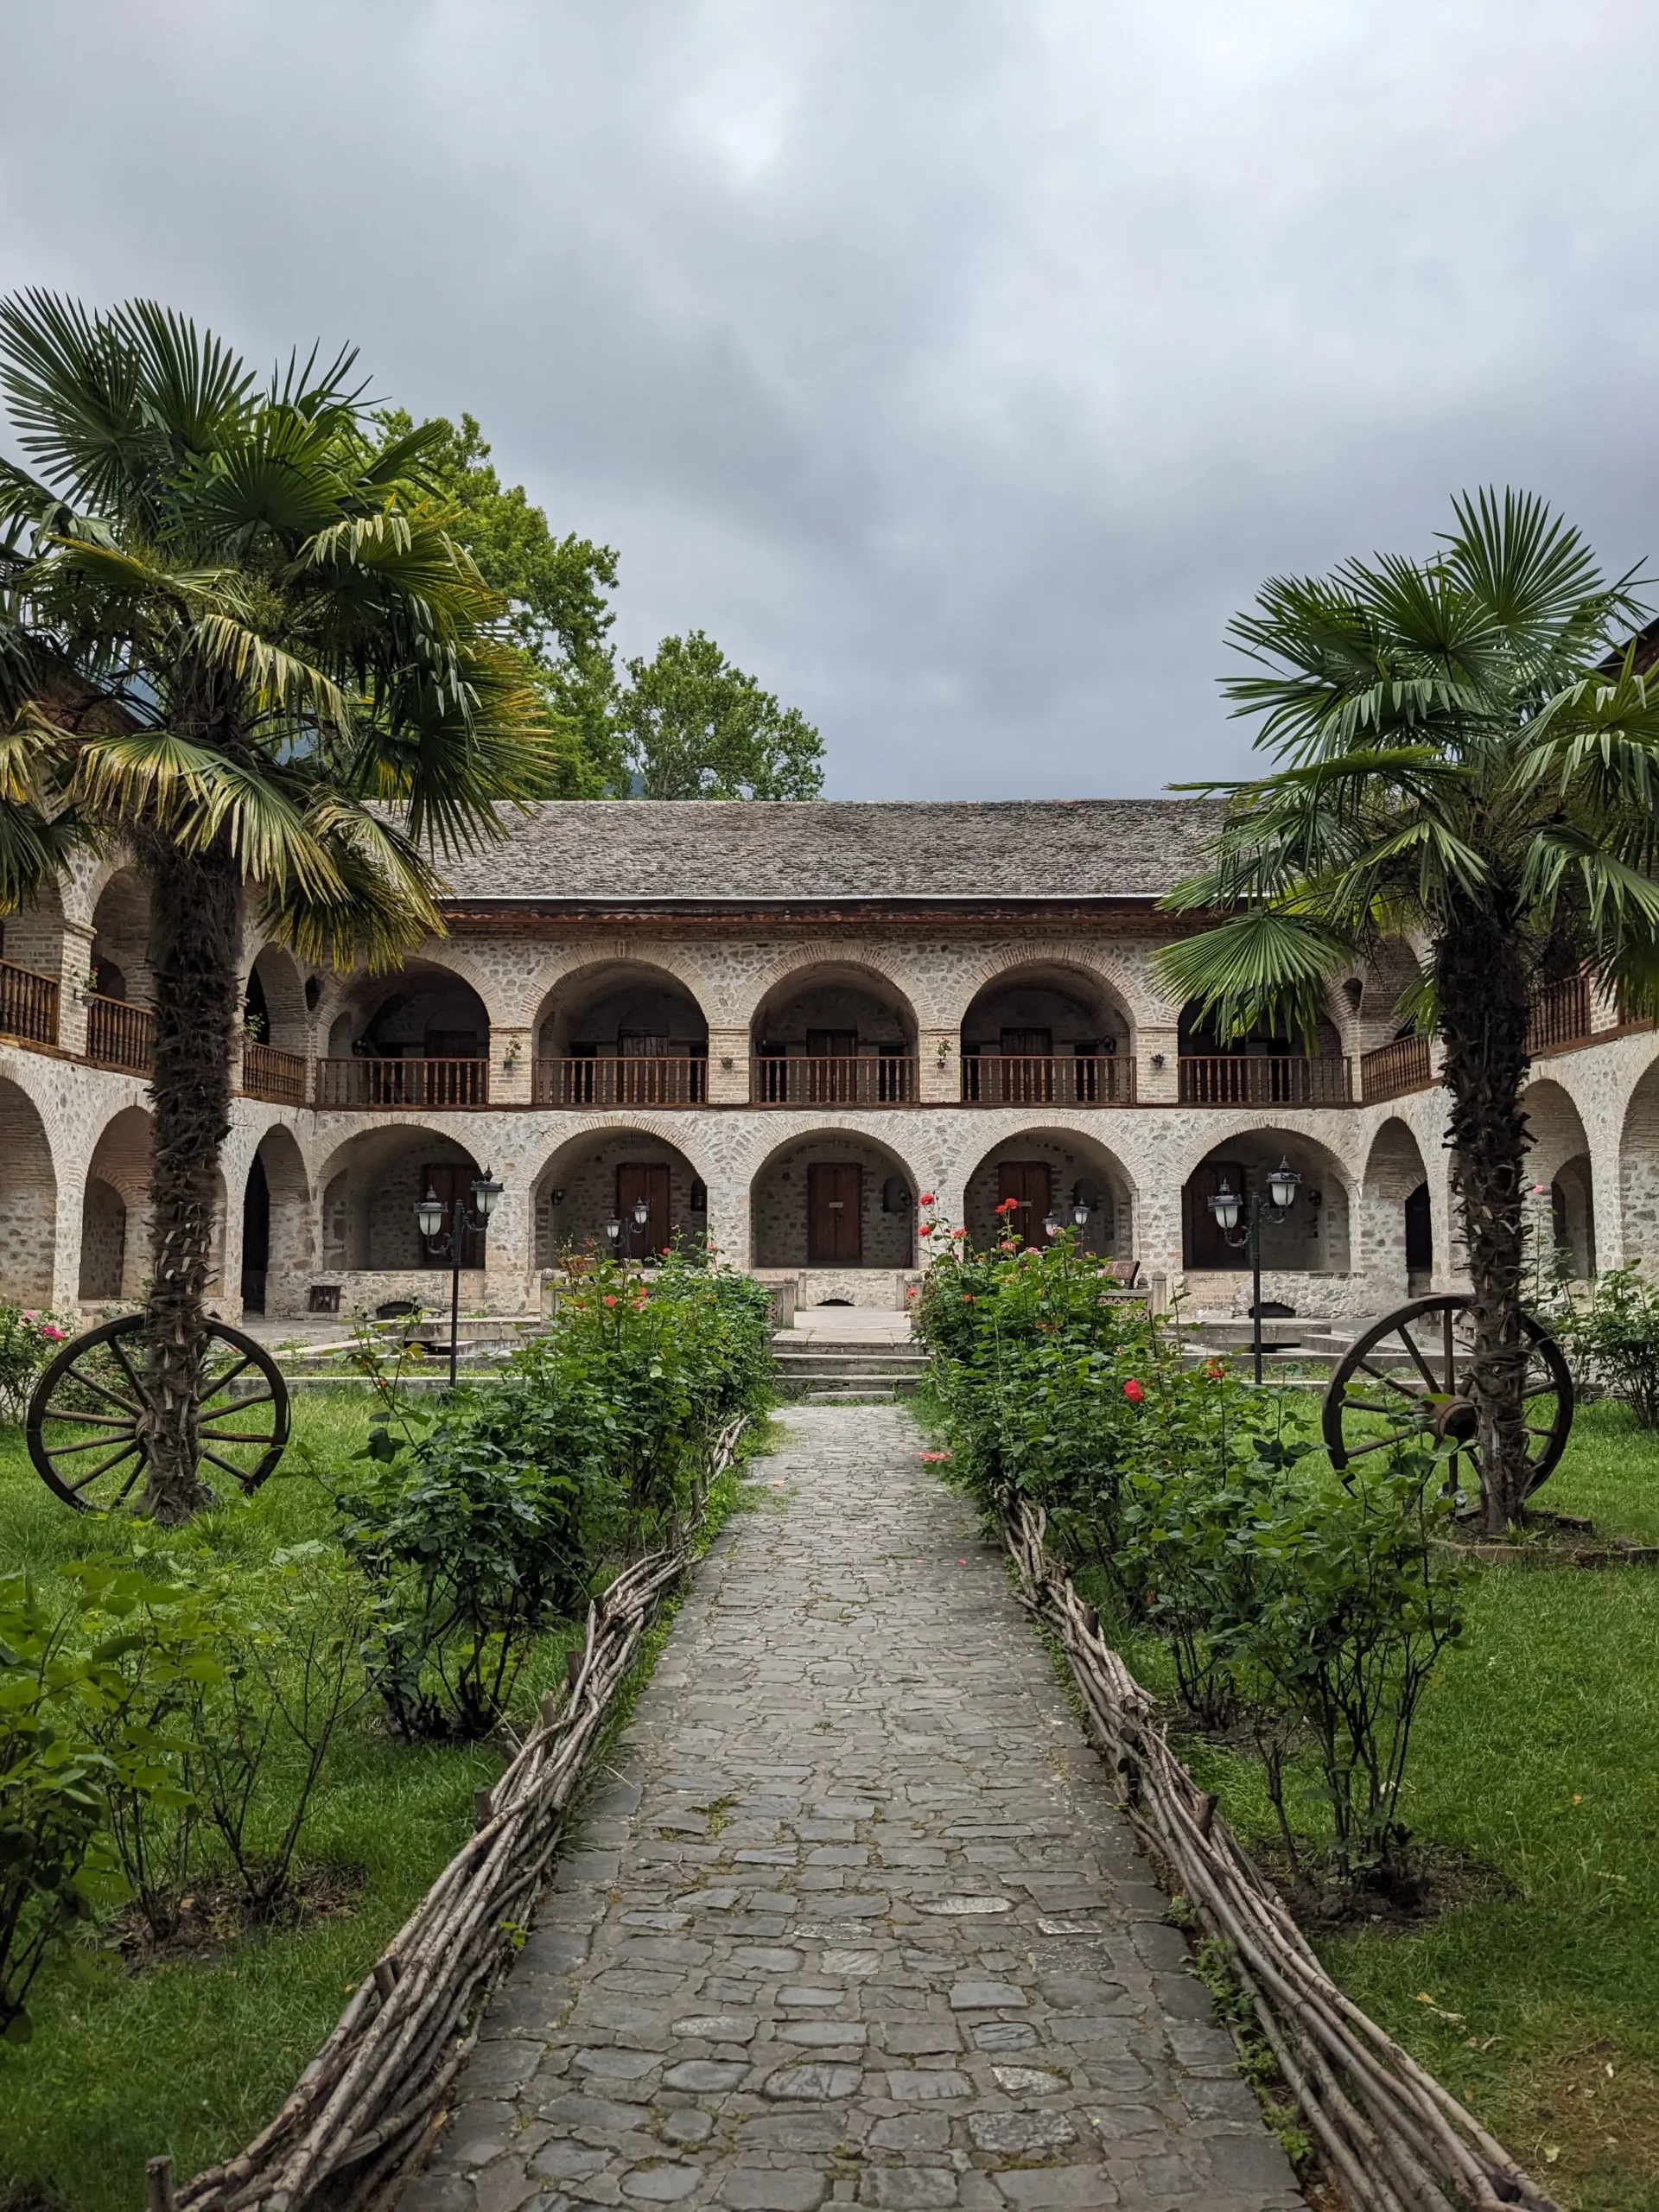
x=668, y=851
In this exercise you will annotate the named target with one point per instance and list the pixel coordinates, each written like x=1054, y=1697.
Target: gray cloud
x=961, y=365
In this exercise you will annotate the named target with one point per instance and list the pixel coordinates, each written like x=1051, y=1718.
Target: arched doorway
x=115, y=1211
x=620, y=1033
x=422, y=1038
x=28, y=1201
x=1398, y=1243
x=1313, y=1239
x=835, y=1202
x=1050, y=1173
x=604, y=1175
x=1561, y=1216
x=277, y=1233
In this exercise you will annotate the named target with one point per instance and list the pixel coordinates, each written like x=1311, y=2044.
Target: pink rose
x=610, y=1301
x=53, y=1336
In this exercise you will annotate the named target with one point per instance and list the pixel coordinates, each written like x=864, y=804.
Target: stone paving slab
x=853, y=1920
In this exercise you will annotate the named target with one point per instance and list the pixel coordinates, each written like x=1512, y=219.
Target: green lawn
x=1537, y=1755
x=193, y=2058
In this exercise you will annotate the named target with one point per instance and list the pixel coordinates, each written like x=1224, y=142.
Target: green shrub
x=1612, y=1338
x=28, y=1340
x=74, y=1732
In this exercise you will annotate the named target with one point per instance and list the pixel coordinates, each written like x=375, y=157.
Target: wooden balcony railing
x=1236, y=1079
x=870, y=1079
x=1393, y=1070
x=28, y=1006
x=428, y=1084
x=1560, y=1015
x=624, y=1082
x=268, y=1073
x=999, y=1079
x=119, y=1035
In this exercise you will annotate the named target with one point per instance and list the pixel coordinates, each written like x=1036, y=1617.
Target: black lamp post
x=1227, y=1205
x=621, y=1233
x=429, y=1213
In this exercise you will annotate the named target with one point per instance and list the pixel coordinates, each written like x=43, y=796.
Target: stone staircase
x=817, y=1372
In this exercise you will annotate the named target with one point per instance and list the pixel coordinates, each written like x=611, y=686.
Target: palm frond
x=1267, y=966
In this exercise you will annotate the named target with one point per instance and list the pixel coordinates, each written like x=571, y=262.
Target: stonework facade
x=781, y=1074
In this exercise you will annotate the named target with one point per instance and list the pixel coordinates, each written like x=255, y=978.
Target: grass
x=193, y=2058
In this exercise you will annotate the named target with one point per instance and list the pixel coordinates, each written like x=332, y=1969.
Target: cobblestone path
x=855, y=1919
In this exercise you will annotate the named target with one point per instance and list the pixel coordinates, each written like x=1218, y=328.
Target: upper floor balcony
x=28, y=1006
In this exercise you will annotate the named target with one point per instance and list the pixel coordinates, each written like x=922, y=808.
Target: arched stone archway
x=601, y=1175
x=274, y=1002
x=621, y=1032
x=1047, y=1032
x=1052, y=1169
x=835, y=1208
x=1396, y=1232
x=834, y=1033
x=372, y=1249
x=277, y=1227
x=1638, y=1164
x=28, y=1201
x=1305, y=1257
x=114, y=1257
x=418, y=1038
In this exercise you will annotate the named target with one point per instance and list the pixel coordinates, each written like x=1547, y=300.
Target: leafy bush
x=1313, y=1606
x=475, y=1533
x=72, y=1733
x=28, y=1340
x=1612, y=1338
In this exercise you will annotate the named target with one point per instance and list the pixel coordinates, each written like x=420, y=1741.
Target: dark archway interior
x=255, y=1237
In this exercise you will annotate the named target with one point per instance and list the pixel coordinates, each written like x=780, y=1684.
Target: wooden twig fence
x=360, y=2115
x=1393, y=2137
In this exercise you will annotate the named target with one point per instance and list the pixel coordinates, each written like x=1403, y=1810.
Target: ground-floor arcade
x=318, y=1209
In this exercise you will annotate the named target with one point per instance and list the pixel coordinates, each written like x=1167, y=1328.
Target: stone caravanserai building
x=774, y=1027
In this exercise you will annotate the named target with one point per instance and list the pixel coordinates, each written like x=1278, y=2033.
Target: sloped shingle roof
x=736, y=850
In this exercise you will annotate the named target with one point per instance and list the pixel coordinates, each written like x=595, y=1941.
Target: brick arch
x=583, y=1167
x=1216, y=1131
x=550, y=974
x=1074, y=1157
x=622, y=964
x=29, y=1195
x=1129, y=985
x=857, y=955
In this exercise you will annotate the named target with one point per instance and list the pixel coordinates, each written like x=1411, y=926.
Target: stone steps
x=848, y=1374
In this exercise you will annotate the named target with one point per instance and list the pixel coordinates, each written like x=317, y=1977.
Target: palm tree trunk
x=1484, y=1003
x=195, y=940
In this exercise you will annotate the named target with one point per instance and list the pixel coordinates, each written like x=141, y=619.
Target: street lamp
x=1051, y=1224
x=1080, y=1214
x=1228, y=1206
x=621, y=1233
x=429, y=1218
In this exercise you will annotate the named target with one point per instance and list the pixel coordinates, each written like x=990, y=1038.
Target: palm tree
x=1469, y=760
x=236, y=638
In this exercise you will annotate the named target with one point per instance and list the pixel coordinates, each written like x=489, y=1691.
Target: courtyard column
x=74, y=964
x=1157, y=1066
x=512, y=1066
x=65, y=1238
x=940, y=1073
x=729, y=1071
x=509, y=1258
x=1159, y=1245
x=728, y=1223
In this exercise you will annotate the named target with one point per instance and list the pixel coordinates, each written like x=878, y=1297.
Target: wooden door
x=646, y=1180
x=1027, y=1069
x=452, y=1181
x=832, y=1074
x=1028, y=1183
x=834, y=1206
x=1206, y=1246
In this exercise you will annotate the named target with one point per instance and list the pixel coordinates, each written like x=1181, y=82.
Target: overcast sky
x=960, y=364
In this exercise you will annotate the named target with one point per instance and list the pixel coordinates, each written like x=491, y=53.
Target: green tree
x=557, y=589
x=1469, y=760
x=691, y=725
x=237, y=637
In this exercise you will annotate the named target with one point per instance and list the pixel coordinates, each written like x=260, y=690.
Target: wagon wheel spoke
x=92, y=1421
x=225, y=1381
x=240, y=1436
x=1391, y=1383
x=1423, y=1368
x=1380, y=1443
x=92, y=1383
x=88, y=1444
x=229, y=1465
x=1366, y=1405
x=241, y=1405
x=127, y=1369
x=113, y=1461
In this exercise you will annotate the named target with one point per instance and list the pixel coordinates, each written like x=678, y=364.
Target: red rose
x=928, y=1199
x=610, y=1301
x=1133, y=1391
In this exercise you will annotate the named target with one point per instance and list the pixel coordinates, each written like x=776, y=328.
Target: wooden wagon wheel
x=86, y=1418
x=1406, y=1380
